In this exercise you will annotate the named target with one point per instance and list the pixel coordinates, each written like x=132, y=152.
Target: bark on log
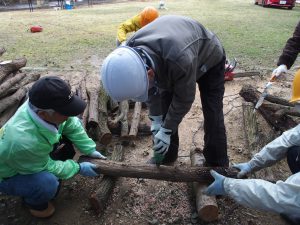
x=14, y=99
x=167, y=173
x=100, y=197
x=250, y=94
x=93, y=89
x=9, y=83
x=84, y=97
x=135, y=120
x=207, y=206
x=103, y=132
x=8, y=113
x=7, y=67
x=29, y=78
x=255, y=139
x=122, y=117
x=143, y=129
x=2, y=50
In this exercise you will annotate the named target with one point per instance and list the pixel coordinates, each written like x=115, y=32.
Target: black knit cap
x=52, y=92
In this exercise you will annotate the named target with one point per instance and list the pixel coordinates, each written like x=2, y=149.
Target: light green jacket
x=25, y=144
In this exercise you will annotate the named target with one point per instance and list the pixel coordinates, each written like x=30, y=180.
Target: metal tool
x=264, y=93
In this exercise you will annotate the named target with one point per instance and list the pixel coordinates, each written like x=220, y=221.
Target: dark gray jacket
x=182, y=51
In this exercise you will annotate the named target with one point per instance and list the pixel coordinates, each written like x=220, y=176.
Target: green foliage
x=252, y=34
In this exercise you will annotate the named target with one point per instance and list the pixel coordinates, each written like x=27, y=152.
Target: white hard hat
x=124, y=75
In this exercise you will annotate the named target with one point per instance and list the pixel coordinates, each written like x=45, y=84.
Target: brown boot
x=43, y=213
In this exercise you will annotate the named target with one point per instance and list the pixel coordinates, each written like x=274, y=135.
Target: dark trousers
x=293, y=160
x=211, y=87
x=63, y=150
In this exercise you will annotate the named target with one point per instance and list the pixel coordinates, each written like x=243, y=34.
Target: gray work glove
x=244, y=168
x=279, y=71
x=156, y=122
x=87, y=169
x=162, y=141
x=97, y=155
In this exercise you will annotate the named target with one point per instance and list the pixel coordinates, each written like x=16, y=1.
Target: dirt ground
x=142, y=201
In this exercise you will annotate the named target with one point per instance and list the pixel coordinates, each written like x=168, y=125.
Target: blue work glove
x=97, y=155
x=162, y=141
x=156, y=122
x=217, y=187
x=244, y=168
x=87, y=169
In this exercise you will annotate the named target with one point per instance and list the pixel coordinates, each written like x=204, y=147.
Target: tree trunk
x=207, y=206
x=100, y=197
x=143, y=129
x=135, y=120
x=167, y=173
x=10, y=82
x=250, y=94
x=7, y=67
x=122, y=117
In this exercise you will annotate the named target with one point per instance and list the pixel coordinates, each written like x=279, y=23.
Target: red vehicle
x=276, y=3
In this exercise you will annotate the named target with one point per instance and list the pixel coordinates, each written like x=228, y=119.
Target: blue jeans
x=36, y=189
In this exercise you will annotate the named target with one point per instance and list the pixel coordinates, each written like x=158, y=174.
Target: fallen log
x=84, y=97
x=2, y=50
x=250, y=94
x=5, y=86
x=135, y=120
x=14, y=98
x=7, y=67
x=100, y=197
x=122, y=117
x=29, y=78
x=167, y=173
x=207, y=206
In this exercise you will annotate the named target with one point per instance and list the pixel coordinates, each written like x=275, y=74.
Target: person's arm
x=275, y=150
x=75, y=132
x=291, y=49
x=282, y=197
x=130, y=25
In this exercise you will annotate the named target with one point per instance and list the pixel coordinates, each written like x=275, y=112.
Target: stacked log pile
x=14, y=86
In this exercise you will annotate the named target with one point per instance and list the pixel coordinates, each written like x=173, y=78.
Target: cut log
x=256, y=139
x=8, y=113
x=29, y=78
x=143, y=129
x=167, y=173
x=135, y=120
x=207, y=206
x=7, y=67
x=100, y=197
x=250, y=94
x=2, y=50
x=93, y=88
x=9, y=83
x=14, y=99
x=122, y=117
x=84, y=97
x=103, y=132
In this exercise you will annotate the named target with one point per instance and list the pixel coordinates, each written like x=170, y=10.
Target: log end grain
x=209, y=213
x=105, y=139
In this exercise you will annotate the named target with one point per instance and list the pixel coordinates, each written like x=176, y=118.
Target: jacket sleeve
x=282, y=197
x=291, y=49
x=75, y=132
x=276, y=150
x=184, y=90
x=130, y=25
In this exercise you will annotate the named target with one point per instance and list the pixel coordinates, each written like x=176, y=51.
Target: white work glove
x=279, y=70
x=244, y=168
x=156, y=122
x=162, y=141
x=97, y=155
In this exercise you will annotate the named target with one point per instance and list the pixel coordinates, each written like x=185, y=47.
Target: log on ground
x=11, y=66
x=167, y=173
x=135, y=120
x=100, y=197
x=207, y=206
